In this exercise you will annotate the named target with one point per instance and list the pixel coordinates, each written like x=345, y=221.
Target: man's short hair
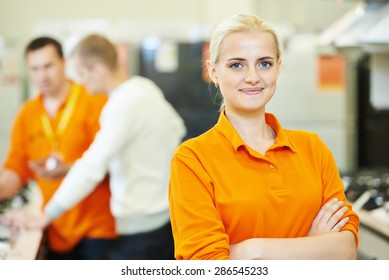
x=41, y=42
x=94, y=48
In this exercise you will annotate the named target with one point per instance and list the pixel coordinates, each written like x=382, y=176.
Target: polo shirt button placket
x=272, y=166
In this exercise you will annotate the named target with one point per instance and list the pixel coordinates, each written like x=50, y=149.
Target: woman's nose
x=252, y=76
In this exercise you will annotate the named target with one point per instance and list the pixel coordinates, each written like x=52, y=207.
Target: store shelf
x=374, y=234
x=27, y=243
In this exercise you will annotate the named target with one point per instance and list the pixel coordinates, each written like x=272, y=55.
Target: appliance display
x=369, y=188
x=182, y=83
x=373, y=123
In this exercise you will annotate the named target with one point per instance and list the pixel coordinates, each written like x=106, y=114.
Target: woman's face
x=247, y=70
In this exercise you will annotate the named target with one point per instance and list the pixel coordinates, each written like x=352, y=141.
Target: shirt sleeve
x=333, y=187
x=17, y=159
x=197, y=226
x=91, y=168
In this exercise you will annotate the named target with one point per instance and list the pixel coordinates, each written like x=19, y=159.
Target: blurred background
x=335, y=77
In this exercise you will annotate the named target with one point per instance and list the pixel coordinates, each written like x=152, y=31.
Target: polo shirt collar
x=225, y=127
x=40, y=97
x=282, y=139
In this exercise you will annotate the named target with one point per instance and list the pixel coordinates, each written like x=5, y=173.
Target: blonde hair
x=94, y=48
x=234, y=24
x=239, y=23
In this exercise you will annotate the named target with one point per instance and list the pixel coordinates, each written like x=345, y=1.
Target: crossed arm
x=324, y=241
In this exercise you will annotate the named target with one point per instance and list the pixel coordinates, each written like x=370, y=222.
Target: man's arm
x=10, y=183
x=92, y=167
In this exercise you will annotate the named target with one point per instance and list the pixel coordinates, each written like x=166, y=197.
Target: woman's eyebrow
x=242, y=59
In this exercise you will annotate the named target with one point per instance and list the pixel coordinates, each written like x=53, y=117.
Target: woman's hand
x=329, y=218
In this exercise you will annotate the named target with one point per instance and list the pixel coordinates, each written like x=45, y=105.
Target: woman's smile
x=251, y=90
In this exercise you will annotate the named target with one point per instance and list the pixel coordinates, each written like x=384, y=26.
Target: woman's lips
x=251, y=91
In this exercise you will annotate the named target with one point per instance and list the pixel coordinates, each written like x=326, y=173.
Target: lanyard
x=55, y=136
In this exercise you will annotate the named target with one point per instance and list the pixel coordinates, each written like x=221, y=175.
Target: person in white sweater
x=139, y=132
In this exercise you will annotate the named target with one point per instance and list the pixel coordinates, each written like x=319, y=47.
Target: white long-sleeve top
x=139, y=132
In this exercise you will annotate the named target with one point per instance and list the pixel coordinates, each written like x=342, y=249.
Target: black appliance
x=193, y=98
x=372, y=124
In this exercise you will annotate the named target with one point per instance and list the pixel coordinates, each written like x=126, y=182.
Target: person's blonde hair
x=238, y=23
x=96, y=47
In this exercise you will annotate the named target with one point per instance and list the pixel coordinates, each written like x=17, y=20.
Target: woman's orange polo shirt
x=223, y=192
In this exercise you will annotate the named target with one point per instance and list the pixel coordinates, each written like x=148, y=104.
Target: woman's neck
x=253, y=129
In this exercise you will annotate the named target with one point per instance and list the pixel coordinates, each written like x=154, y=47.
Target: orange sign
x=331, y=72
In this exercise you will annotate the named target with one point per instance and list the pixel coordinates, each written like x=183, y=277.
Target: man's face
x=87, y=75
x=46, y=70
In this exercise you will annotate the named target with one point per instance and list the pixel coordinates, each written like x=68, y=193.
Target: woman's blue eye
x=264, y=64
x=236, y=65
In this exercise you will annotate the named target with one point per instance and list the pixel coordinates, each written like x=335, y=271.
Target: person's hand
x=22, y=219
x=7, y=192
x=10, y=184
x=52, y=167
x=329, y=218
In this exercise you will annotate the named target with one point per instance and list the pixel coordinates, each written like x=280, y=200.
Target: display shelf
x=28, y=242
x=374, y=234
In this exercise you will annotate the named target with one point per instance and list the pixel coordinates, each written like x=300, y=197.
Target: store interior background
x=151, y=31
x=298, y=103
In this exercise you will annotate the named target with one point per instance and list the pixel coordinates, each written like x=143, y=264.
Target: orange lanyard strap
x=55, y=136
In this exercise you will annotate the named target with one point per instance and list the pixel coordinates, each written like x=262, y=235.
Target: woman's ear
x=279, y=67
x=212, y=73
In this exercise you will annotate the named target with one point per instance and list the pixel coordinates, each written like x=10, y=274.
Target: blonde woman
x=248, y=188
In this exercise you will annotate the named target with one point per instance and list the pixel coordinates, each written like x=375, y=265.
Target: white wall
x=11, y=89
x=17, y=16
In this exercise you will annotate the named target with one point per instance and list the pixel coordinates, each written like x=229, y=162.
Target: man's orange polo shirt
x=223, y=192
x=91, y=217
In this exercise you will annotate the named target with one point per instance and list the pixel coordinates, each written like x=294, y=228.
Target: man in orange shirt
x=50, y=132
x=248, y=188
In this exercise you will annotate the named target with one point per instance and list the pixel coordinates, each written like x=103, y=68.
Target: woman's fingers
x=329, y=218
x=325, y=208
x=340, y=225
x=330, y=211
